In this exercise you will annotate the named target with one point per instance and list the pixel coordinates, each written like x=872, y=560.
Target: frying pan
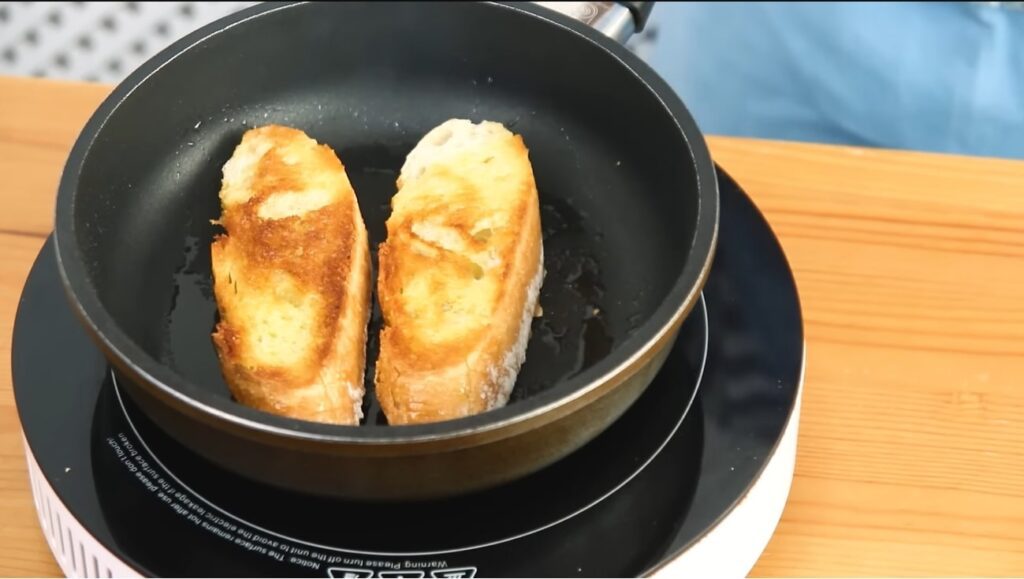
x=629, y=216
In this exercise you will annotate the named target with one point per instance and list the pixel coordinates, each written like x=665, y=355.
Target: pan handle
x=617, y=20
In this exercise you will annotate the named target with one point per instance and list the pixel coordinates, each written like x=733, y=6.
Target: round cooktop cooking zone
x=637, y=497
x=540, y=515
x=556, y=494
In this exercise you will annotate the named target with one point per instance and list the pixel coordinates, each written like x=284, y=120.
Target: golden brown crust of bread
x=296, y=278
x=458, y=281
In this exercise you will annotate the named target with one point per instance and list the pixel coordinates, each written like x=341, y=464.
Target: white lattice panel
x=96, y=41
x=104, y=41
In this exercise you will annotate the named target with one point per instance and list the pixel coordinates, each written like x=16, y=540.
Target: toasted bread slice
x=459, y=274
x=291, y=279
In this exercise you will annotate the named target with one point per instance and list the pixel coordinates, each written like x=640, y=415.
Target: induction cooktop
x=691, y=480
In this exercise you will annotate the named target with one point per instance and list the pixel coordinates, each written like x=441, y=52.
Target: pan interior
x=617, y=184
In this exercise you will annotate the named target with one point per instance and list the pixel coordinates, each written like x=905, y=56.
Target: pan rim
x=148, y=372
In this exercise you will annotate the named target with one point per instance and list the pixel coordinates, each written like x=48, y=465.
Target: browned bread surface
x=291, y=279
x=459, y=275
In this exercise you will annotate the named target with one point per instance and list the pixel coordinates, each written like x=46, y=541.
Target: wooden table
x=911, y=272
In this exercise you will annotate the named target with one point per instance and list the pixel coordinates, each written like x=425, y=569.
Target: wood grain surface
x=911, y=273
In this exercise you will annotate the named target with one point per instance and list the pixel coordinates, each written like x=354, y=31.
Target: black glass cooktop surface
x=643, y=491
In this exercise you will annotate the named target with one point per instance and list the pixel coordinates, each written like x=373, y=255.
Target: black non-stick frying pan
x=629, y=214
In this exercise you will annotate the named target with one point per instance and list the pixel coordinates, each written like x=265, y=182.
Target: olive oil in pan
x=571, y=335
x=187, y=345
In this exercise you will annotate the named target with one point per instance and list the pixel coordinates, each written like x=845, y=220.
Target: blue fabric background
x=927, y=76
